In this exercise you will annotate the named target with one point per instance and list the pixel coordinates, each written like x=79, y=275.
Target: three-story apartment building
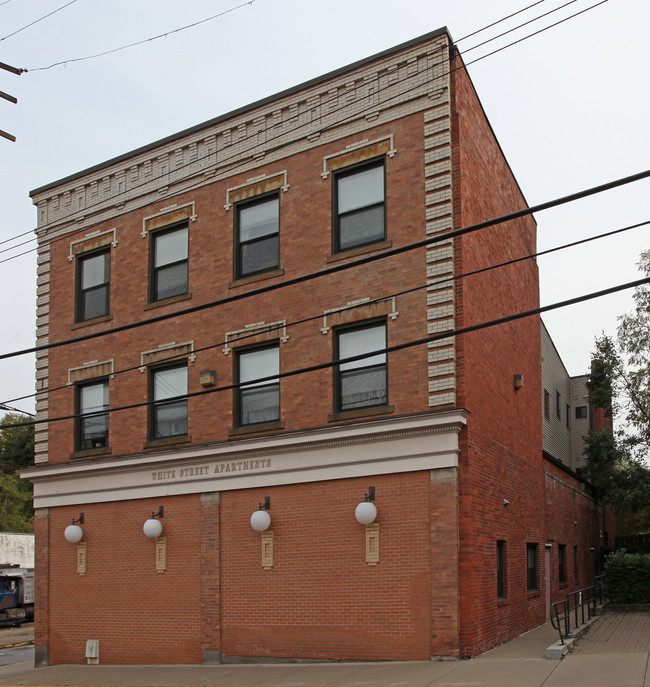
x=269, y=437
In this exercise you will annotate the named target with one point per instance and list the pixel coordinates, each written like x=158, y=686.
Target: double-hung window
x=361, y=383
x=359, y=206
x=92, y=411
x=258, y=401
x=257, y=236
x=93, y=285
x=169, y=263
x=168, y=415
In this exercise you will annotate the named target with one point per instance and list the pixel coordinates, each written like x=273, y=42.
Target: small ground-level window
x=561, y=563
x=501, y=569
x=531, y=567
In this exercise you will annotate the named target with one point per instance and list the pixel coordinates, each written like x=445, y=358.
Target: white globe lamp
x=260, y=520
x=365, y=513
x=152, y=528
x=73, y=534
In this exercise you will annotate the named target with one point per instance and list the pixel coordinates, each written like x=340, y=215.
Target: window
x=547, y=405
x=561, y=563
x=258, y=402
x=257, y=236
x=93, y=275
x=501, y=569
x=531, y=567
x=568, y=416
x=92, y=423
x=169, y=263
x=359, y=206
x=558, y=405
x=168, y=418
x=361, y=383
x=581, y=412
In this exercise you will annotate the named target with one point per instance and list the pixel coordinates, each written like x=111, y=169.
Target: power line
x=339, y=268
x=557, y=23
x=499, y=21
x=4, y=406
x=265, y=143
x=362, y=356
x=519, y=26
x=4, y=38
x=452, y=278
x=146, y=40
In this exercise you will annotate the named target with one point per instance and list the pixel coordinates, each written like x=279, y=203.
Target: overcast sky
x=570, y=107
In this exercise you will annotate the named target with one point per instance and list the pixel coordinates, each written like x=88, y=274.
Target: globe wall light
x=260, y=519
x=366, y=511
x=152, y=527
x=73, y=533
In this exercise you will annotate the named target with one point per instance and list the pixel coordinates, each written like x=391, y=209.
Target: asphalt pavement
x=614, y=652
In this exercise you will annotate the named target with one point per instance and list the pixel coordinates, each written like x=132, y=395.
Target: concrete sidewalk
x=614, y=653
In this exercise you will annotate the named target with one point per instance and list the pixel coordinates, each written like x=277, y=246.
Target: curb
x=12, y=646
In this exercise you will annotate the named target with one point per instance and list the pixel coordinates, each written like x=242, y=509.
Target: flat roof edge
x=240, y=110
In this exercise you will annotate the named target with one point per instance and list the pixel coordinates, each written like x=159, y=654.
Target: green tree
x=16, y=443
x=16, y=453
x=617, y=460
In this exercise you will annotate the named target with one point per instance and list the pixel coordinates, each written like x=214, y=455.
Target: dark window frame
x=532, y=582
x=339, y=374
x=155, y=406
x=154, y=271
x=240, y=206
x=561, y=564
x=82, y=418
x=581, y=413
x=240, y=391
x=80, y=310
x=338, y=246
x=568, y=416
x=547, y=405
x=501, y=569
x=558, y=405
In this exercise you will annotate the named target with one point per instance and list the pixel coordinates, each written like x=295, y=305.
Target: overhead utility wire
x=248, y=150
x=361, y=356
x=344, y=266
x=4, y=38
x=557, y=23
x=189, y=26
x=146, y=40
x=379, y=299
x=4, y=406
x=469, y=35
x=499, y=21
x=530, y=21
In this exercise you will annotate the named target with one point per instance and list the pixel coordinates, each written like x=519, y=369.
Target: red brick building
x=195, y=276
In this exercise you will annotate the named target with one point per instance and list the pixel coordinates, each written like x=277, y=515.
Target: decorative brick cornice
x=349, y=102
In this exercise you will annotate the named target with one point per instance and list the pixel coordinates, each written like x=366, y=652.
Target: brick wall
x=502, y=459
x=305, y=247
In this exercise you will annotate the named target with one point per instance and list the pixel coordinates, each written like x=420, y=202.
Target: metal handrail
x=573, y=608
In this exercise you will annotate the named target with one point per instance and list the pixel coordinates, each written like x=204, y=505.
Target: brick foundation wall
x=215, y=602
